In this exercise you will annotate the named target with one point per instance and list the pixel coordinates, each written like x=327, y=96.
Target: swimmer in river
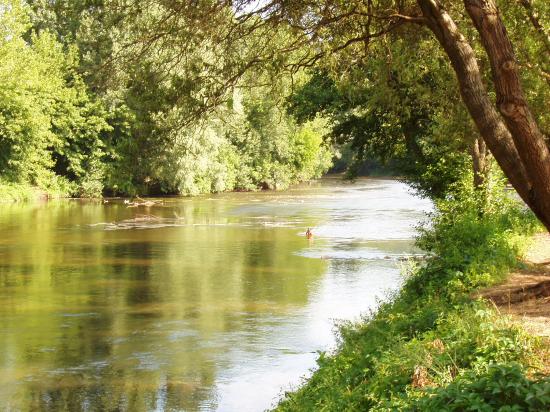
x=309, y=234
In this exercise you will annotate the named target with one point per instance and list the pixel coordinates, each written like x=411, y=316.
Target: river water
x=210, y=303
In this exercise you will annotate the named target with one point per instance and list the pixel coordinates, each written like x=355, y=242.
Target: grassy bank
x=432, y=347
x=22, y=192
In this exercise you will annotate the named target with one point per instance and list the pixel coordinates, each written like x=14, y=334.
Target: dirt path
x=526, y=293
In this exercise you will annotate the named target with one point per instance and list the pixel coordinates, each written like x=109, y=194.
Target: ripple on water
x=218, y=305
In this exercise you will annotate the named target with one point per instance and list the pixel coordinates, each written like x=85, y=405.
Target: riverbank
x=13, y=192
x=436, y=345
x=22, y=192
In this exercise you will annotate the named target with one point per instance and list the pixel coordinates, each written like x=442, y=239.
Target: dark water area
x=216, y=302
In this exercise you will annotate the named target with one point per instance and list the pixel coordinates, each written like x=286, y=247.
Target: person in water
x=309, y=234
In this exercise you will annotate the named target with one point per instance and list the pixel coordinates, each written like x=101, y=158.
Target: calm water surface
x=211, y=303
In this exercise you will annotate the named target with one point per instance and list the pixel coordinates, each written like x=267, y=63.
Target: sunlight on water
x=212, y=303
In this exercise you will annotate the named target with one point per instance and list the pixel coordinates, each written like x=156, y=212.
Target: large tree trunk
x=511, y=101
x=488, y=121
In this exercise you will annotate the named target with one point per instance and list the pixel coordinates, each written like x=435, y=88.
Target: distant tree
x=50, y=126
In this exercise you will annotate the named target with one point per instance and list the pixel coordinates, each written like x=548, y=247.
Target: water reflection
x=215, y=302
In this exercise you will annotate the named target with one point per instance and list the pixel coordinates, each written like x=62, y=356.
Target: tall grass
x=22, y=192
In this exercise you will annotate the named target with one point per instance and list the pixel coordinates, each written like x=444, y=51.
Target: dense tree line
x=75, y=119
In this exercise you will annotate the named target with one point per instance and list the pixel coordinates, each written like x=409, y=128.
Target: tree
x=513, y=135
x=49, y=125
x=406, y=119
x=186, y=114
x=323, y=29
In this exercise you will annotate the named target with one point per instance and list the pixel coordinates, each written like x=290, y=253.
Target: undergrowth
x=432, y=347
x=20, y=192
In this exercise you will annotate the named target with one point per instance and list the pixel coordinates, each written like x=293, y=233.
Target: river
x=215, y=302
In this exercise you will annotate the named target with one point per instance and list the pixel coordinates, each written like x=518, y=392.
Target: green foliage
x=26, y=85
x=409, y=118
x=78, y=122
x=432, y=338
x=501, y=388
x=475, y=236
x=68, y=124
x=319, y=95
x=19, y=192
x=13, y=192
x=49, y=126
x=249, y=145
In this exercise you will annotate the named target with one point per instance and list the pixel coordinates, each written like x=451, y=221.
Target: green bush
x=501, y=388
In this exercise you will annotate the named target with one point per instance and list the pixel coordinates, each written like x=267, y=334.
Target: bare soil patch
x=526, y=293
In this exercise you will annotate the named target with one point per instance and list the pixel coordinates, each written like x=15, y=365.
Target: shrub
x=500, y=388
